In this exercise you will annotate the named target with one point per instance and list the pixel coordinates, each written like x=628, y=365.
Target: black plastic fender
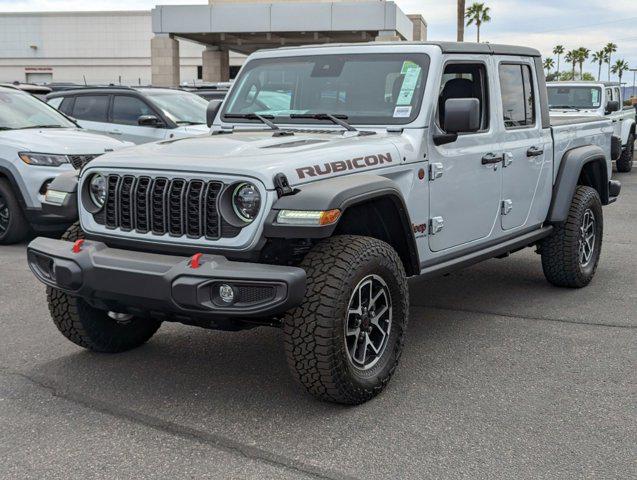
x=571, y=166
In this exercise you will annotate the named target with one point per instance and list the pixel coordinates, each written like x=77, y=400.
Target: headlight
x=43, y=159
x=246, y=201
x=97, y=189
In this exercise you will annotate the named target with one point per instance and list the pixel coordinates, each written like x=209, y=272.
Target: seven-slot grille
x=160, y=205
x=78, y=161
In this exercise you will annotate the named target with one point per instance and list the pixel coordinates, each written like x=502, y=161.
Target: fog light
x=226, y=293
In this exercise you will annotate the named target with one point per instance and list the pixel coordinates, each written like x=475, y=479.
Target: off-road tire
x=314, y=331
x=17, y=226
x=560, y=251
x=625, y=161
x=90, y=327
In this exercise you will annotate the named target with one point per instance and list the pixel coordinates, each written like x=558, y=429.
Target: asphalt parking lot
x=503, y=376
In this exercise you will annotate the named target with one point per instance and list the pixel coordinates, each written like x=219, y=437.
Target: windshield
x=183, y=108
x=383, y=88
x=20, y=110
x=575, y=97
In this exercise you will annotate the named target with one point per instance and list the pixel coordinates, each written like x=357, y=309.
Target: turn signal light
x=308, y=217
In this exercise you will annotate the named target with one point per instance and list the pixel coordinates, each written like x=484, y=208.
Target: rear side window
x=91, y=107
x=518, y=99
x=128, y=109
x=55, y=102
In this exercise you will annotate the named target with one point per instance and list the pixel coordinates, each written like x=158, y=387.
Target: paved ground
x=503, y=377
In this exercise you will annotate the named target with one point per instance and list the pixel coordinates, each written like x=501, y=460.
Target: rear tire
x=625, y=161
x=13, y=224
x=571, y=253
x=90, y=327
x=356, y=294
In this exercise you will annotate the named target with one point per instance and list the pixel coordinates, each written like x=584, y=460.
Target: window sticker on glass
x=411, y=72
x=595, y=95
x=402, y=112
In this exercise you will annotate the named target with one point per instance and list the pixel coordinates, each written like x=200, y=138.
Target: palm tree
x=610, y=48
x=582, y=56
x=558, y=50
x=461, y=9
x=549, y=63
x=599, y=57
x=478, y=14
x=619, y=68
x=571, y=57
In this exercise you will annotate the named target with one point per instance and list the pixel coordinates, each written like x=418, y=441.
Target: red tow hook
x=77, y=245
x=195, y=260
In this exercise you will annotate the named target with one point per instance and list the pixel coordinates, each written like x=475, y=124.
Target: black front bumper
x=165, y=286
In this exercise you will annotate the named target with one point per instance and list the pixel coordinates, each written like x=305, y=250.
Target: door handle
x=534, y=152
x=491, y=158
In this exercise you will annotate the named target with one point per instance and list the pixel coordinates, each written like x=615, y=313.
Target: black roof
x=446, y=47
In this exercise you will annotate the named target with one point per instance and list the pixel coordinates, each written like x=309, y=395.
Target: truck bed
x=573, y=131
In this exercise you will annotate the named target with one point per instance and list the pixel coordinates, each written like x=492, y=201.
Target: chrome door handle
x=491, y=158
x=534, y=152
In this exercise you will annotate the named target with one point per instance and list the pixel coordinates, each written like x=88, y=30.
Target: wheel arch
x=8, y=174
x=371, y=205
x=585, y=165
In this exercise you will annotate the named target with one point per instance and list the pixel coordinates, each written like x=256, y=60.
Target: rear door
x=125, y=113
x=465, y=175
x=91, y=112
x=526, y=145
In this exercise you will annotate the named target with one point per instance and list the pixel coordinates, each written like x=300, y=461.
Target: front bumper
x=165, y=286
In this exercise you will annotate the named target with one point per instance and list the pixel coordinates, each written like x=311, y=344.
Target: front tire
x=92, y=328
x=625, y=161
x=344, y=341
x=571, y=253
x=13, y=224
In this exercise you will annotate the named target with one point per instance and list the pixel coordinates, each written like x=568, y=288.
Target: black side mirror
x=211, y=111
x=612, y=106
x=148, y=121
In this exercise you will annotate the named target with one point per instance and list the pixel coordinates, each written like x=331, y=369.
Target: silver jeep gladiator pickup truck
x=331, y=175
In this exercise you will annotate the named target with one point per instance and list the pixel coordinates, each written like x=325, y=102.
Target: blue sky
x=538, y=23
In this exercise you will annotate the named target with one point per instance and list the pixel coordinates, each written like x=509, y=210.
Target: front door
x=465, y=176
x=527, y=147
x=125, y=113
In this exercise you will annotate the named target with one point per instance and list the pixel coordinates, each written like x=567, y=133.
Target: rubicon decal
x=343, y=165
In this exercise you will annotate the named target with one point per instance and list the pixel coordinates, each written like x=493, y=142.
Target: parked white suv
x=597, y=99
x=37, y=143
x=137, y=115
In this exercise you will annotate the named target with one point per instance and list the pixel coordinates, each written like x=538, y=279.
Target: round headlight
x=246, y=201
x=97, y=189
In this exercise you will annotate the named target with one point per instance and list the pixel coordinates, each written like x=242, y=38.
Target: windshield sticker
x=402, y=112
x=411, y=72
x=596, y=102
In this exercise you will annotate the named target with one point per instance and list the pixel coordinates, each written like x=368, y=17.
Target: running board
x=478, y=256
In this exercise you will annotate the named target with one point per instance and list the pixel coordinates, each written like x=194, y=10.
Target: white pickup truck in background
x=594, y=99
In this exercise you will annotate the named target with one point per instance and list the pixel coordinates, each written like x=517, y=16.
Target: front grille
x=162, y=206
x=78, y=161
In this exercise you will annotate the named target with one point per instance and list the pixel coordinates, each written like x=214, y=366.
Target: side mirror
x=148, y=121
x=612, y=106
x=211, y=111
x=461, y=115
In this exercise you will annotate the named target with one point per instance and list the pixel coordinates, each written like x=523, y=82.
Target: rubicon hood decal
x=343, y=165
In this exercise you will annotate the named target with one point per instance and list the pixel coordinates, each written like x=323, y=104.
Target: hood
x=302, y=157
x=67, y=141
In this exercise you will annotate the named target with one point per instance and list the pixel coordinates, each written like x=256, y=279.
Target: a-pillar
x=216, y=65
x=164, y=61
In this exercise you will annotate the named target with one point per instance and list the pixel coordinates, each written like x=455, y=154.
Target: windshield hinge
x=282, y=185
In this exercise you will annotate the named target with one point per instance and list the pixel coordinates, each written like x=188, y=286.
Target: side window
x=128, y=109
x=518, y=99
x=616, y=94
x=55, y=102
x=67, y=105
x=465, y=80
x=91, y=107
x=610, y=95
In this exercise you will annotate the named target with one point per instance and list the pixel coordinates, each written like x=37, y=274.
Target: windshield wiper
x=255, y=116
x=39, y=126
x=335, y=119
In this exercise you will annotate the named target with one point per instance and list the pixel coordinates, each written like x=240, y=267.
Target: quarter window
x=127, y=109
x=518, y=99
x=91, y=107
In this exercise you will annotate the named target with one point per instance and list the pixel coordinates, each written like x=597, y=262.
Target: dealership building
x=172, y=45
